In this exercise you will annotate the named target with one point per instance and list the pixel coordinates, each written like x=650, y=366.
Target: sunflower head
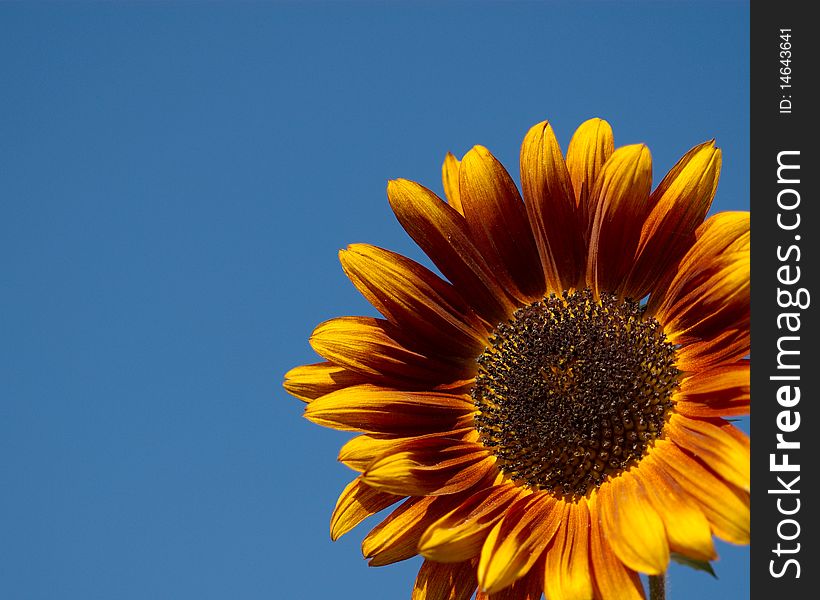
x=550, y=414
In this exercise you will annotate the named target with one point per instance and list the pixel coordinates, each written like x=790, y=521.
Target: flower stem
x=657, y=587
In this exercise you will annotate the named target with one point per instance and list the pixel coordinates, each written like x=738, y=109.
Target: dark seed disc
x=572, y=390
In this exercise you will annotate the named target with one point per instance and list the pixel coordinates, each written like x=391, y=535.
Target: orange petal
x=374, y=348
x=459, y=534
x=686, y=526
x=372, y=409
x=556, y=222
x=357, y=502
x=396, y=538
x=449, y=179
x=436, y=581
x=529, y=587
x=590, y=147
x=443, y=234
x=430, y=467
x=725, y=232
x=728, y=346
x=360, y=452
x=498, y=223
x=632, y=526
x=718, y=300
x=680, y=204
x=611, y=578
x=620, y=204
x=308, y=382
x=415, y=299
x=725, y=507
x=721, y=391
x=710, y=291
x=517, y=541
x=726, y=454
x=567, y=573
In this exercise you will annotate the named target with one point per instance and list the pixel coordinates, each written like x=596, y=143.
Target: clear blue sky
x=175, y=182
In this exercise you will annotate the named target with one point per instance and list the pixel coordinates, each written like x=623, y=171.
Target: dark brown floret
x=573, y=390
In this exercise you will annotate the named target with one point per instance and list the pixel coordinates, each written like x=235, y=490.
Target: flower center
x=572, y=390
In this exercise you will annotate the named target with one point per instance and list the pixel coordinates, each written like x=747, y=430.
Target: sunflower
x=550, y=415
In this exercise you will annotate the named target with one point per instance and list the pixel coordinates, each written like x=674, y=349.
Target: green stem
x=657, y=587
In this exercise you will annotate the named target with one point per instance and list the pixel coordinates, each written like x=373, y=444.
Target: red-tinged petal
x=620, y=204
x=709, y=293
x=497, y=221
x=717, y=301
x=556, y=221
x=308, y=382
x=459, y=534
x=357, y=502
x=372, y=409
x=726, y=454
x=721, y=391
x=725, y=232
x=437, y=581
x=679, y=205
x=360, y=452
x=529, y=587
x=430, y=467
x=517, y=541
x=416, y=300
x=728, y=346
x=444, y=236
x=377, y=349
x=396, y=538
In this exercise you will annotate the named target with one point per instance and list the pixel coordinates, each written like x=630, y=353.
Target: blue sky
x=176, y=181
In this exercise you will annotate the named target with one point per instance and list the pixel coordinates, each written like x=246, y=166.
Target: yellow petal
x=590, y=147
x=308, y=382
x=567, y=574
x=517, y=541
x=373, y=409
x=396, y=538
x=373, y=348
x=726, y=454
x=529, y=587
x=631, y=526
x=360, y=452
x=449, y=179
x=357, y=502
x=459, y=534
x=415, y=299
x=723, y=233
x=430, y=467
x=611, y=578
x=436, y=581
x=686, y=526
x=725, y=506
